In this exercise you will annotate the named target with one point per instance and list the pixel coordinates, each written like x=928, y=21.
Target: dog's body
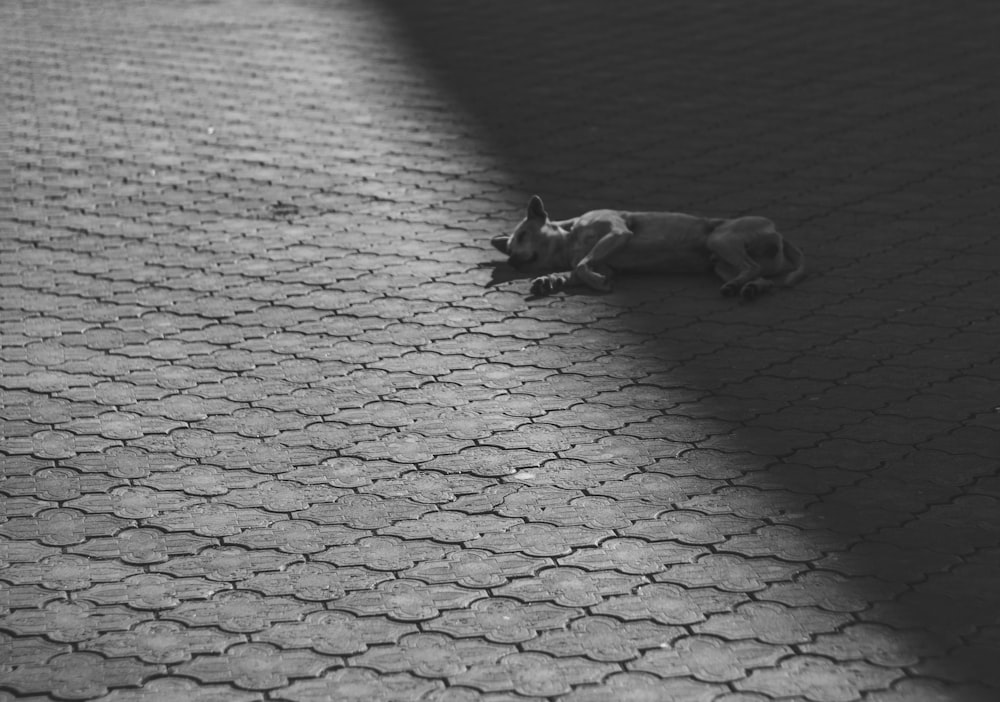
x=748, y=253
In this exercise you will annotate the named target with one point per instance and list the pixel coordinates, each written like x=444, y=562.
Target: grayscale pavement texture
x=279, y=424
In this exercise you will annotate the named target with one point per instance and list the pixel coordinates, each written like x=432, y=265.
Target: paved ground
x=276, y=427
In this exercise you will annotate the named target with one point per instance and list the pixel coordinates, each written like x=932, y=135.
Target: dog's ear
x=501, y=243
x=536, y=209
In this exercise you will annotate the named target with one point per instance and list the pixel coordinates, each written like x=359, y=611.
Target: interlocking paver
x=278, y=424
x=256, y=666
x=819, y=679
x=710, y=659
x=79, y=676
x=162, y=642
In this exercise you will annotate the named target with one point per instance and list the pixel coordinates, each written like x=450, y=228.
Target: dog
x=747, y=253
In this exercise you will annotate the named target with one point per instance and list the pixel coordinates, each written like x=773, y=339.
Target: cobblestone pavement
x=277, y=427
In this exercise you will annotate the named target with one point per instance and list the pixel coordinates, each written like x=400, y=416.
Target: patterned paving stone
x=669, y=604
x=643, y=687
x=134, y=502
x=433, y=655
x=257, y=666
x=534, y=674
x=632, y=556
x=297, y=536
x=830, y=591
x=229, y=563
x=544, y=437
x=142, y=545
x=541, y=540
x=891, y=563
x=783, y=542
x=659, y=489
x=264, y=458
x=407, y=448
x=710, y=659
x=771, y=623
x=487, y=461
x=502, y=620
x=363, y=511
x=126, y=462
x=730, y=573
x=876, y=644
x=22, y=650
x=818, y=679
x=202, y=480
x=319, y=582
x=336, y=633
x=408, y=600
x=25, y=596
x=749, y=503
x=570, y=587
x=604, y=639
x=383, y=553
x=451, y=527
x=57, y=484
x=24, y=551
x=152, y=591
x=592, y=511
x=361, y=685
x=926, y=689
x=239, y=612
x=428, y=487
x=475, y=568
x=213, y=519
x=80, y=676
x=63, y=527
x=690, y=527
x=568, y=474
x=161, y=642
x=72, y=621
x=57, y=444
x=66, y=572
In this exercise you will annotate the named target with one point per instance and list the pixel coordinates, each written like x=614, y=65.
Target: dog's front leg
x=581, y=275
x=586, y=270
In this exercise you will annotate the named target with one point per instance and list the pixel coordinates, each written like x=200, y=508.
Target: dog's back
x=665, y=242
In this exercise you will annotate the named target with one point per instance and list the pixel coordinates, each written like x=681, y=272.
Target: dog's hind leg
x=793, y=257
x=729, y=273
x=746, y=250
x=734, y=266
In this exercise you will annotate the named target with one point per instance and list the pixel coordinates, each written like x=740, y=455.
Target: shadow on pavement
x=863, y=131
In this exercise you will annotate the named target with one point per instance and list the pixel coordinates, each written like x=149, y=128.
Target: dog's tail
x=794, y=257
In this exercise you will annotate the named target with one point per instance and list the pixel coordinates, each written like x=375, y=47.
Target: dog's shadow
x=503, y=272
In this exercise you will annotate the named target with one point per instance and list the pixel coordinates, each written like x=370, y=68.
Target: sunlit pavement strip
x=268, y=435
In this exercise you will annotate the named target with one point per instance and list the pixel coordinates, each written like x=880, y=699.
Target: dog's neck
x=560, y=253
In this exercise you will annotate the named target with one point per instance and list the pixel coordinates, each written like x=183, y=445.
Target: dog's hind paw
x=755, y=288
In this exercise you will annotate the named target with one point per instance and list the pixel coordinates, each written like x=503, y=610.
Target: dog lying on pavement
x=748, y=253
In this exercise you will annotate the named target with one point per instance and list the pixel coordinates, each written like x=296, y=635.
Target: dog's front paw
x=729, y=289
x=750, y=291
x=545, y=285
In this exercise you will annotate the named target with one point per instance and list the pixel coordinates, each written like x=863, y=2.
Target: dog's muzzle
x=501, y=243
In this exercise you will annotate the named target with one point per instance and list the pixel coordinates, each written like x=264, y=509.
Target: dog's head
x=533, y=239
